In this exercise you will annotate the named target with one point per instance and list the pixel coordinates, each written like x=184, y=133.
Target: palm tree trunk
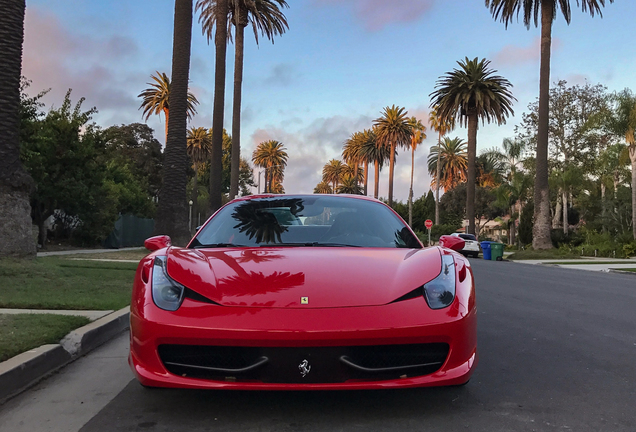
x=376, y=188
x=558, y=211
x=632, y=157
x=470, y=183
x=391, y=172
x=439, y=175
x=166, y=113
x=15, y=184
x=236, y=102
x=603, y=213
x=366, y=176
x=216, y=152
x=195, y=191
x=411, y=188
x=172, y=213
x=541, y=230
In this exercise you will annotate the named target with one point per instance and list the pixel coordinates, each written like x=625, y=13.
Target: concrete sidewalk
x=85, y=251
x=90, y=314
x=587, y=263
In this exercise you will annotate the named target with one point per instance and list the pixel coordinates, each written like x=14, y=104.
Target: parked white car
x=471, y=247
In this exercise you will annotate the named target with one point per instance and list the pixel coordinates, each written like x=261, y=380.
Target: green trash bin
x=496, y=251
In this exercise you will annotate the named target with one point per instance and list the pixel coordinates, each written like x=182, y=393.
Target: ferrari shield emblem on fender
x=304, y=368
x=304, y=300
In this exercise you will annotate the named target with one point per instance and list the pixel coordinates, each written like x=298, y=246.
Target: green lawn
x=633, y=270
x=58, y=283
x=136, y=254
x=22, y=332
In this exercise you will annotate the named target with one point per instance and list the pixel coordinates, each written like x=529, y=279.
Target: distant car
x=303, y=292
x=471, y=245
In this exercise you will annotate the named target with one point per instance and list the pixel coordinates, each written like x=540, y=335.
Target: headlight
x=440, y=292
x=166, y=293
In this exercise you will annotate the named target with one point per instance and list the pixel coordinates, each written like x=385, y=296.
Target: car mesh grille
x=283, y=364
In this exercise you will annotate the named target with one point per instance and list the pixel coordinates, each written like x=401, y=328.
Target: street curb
x=27, y=369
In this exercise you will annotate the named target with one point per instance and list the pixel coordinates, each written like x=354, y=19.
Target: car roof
x=286, y=196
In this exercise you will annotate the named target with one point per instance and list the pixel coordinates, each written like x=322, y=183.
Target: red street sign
x=428, y=224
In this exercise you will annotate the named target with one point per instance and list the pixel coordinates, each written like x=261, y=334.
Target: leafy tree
x=155, y=99
x=453, y=157
x=393, y=130
x=506, y=11
x=417, y=136
x=134, y=145
x=272, y=156
x=15, y=183
x=442, y=127
x=525, y=223
x=486, y=208
x=468, y=94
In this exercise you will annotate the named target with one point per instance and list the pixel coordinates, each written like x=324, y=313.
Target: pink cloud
x=514, y=55
x=377, y=14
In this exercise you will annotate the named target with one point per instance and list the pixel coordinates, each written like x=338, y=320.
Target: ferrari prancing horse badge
x=304, y=300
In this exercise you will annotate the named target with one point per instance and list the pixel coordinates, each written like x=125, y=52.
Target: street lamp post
x=190, y=217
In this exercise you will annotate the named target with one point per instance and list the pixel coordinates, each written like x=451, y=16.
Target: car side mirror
x=452, y=242
x=157, y=242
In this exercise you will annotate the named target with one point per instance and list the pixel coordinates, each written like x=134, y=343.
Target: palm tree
x=349, y=185
x=266, y=19
x=418, y=135
x=505, y=11
x=333, y=172
x=371, y=152
x=489, y=169
x=155, y=99
x=323, y=188
x=15, y=183
x=392, y=131
x=352, y=155
x=172, y=211
x=272, y=156
x=453, y=160
x=442, y=127
x=199, y=142
x=469, y=94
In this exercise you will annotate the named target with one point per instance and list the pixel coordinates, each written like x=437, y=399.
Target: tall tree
x=352, y=155
x=333, y=172
x=172, y=213
x=323, y=188
x=393, y=130
x=15, y=183
x=199, y=142
x=453, y=160
x=272, y=156
x=442, y=127
x=268, y=20
x=417, y=136
x=220, y=14
x=373, y=153
x=468, y=94
x=506, y=11
x=155, y=99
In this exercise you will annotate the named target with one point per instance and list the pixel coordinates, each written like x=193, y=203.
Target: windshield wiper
x=219, y=245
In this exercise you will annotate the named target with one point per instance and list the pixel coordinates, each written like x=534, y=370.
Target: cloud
x=282, y=74
x=98, y=68
x=377, y=14
x=515, y=55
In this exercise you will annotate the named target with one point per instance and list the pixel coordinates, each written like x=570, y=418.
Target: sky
x=331, y=74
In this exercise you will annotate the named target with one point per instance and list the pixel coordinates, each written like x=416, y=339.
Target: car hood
x=280, y=277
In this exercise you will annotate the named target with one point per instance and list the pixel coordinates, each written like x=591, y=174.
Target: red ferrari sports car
x=279, y=292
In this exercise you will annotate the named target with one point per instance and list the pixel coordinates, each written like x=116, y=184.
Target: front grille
x=283, y=365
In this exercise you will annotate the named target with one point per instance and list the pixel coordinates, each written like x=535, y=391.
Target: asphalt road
x=557, y=352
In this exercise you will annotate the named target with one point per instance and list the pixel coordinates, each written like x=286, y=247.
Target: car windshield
x=306, y=221
x=467, y=236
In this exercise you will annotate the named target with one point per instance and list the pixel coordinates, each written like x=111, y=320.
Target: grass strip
x=633, y=270
x=136, y=254
x=22, y=332
x=56, y=283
